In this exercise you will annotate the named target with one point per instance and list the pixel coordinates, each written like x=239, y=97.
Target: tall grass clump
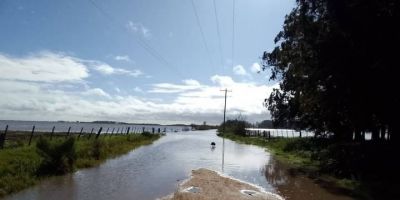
x=57, y=157
x=23, y=166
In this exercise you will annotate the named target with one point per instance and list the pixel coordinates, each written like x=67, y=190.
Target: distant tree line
x=337, y=62
x=236, y=126
x=270, y=124
x=203, y=126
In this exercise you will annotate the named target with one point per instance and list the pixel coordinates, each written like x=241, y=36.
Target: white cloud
x=239, y=70
x=40, y=92
x=191, y=82
x=43, y=67
x=123, y=58
x=207, y=100
x=96, y=92
x=108, y=70
x=138, y=89
x=255, y=68
x=176, y=88
x=138, y=28
x=223, y=81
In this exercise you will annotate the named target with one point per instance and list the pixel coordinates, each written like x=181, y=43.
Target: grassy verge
x=23, y=166
x=308, y=156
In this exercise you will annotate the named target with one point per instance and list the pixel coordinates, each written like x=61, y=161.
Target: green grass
x=277, y=147
x=305, y=155
x=20, y=166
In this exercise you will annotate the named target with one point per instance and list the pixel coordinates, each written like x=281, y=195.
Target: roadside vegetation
x=334, y=82
x=361, y=170
x=203, y=126
x=23, y=166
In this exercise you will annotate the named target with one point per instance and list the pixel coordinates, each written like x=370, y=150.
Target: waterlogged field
x=155, y=170
x=23, y=166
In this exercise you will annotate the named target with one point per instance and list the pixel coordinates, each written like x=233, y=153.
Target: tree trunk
x=375, y=134
x=363, y=136
x=394, y=134
x=383, y=133
x=358, y=135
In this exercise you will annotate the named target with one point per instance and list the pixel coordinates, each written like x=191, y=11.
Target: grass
x=277, y=147
x=22, y=166
x=308, y=156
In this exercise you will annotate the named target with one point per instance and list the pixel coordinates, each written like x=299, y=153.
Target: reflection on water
x=154, y=171
x=294, y=185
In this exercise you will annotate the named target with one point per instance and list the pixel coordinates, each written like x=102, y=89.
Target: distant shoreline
x=97, y=122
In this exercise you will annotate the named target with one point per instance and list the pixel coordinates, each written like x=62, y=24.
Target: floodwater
x=43, y=126
x=153, y=171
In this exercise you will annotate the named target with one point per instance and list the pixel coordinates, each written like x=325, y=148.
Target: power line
x=142, y=43
x=233, y=32
x=201, y=30
x=218, y=32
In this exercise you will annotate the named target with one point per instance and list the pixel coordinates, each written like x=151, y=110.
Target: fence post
x=143, y=130
x=80, y=133
x=159, y=130
x=127, y=131
x=106, y=132
x=91, y=132
x=3, y=138
x=300, y=134
x=152, y=130
x=52, y=132
x=69, y=130
x=98, y=133
x=30, y=139
x=112, y=132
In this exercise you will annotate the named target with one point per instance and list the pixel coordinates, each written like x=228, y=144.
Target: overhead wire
x=142, y=43
x=233, y=32
x=201, y=31
x=218, y=31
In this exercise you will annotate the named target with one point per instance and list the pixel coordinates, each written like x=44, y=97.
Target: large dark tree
x=337, y=63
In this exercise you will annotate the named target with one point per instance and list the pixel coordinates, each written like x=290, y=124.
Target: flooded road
x=154, y=171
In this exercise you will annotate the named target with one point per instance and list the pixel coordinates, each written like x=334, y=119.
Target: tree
x=336, y=64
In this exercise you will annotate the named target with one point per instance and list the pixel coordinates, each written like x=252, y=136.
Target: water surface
x=154, y=171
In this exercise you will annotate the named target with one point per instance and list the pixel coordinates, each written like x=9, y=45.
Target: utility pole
x=226, y=92
x=223, y=130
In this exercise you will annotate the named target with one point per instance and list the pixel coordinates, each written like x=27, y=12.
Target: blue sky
x=135, y=61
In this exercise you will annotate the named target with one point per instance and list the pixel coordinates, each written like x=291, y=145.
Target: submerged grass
x=23, y=166
x=307, y=156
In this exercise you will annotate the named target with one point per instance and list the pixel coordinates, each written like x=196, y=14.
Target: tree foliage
x=336, y=63
x=236, y=126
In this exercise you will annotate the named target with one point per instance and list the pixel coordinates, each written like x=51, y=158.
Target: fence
x=275, y=133
x=18, y=138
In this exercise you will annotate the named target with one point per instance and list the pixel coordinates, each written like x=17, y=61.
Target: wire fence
x=14, y=138
x=278, y=133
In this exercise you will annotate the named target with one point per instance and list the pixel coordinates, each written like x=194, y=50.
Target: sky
x=139, y=61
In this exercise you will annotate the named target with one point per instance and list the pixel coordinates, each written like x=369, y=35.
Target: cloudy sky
x=153, y=61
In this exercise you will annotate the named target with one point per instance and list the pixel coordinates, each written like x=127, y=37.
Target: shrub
x=237, y=127
x=57, y=158
x=147, y=134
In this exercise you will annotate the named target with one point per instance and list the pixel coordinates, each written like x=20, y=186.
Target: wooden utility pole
x=223, y=130
x=226, y=92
